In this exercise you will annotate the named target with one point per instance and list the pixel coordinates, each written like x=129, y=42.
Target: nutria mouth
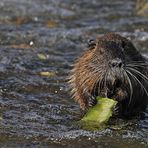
x=113, y=68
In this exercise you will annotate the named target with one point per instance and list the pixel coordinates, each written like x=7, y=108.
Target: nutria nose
x=116, y=63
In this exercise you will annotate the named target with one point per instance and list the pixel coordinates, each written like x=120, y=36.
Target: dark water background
x=46, y=36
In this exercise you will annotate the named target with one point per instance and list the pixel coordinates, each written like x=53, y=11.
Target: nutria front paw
x=116, y=110
x=91, y=101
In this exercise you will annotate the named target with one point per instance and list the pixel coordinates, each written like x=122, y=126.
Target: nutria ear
x=91, y=43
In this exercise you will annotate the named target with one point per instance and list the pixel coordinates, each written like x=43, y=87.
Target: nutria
x=111, y=67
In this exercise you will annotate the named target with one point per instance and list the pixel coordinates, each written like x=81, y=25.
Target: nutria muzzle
x=116, y=63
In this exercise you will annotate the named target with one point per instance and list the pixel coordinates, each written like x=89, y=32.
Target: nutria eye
x=123, y=46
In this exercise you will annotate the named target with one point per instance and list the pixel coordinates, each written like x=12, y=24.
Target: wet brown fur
x=85, y=76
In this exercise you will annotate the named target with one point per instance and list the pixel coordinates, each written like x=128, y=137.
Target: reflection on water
x=39, y=41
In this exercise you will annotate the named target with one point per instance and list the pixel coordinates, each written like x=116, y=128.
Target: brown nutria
x=111, y=67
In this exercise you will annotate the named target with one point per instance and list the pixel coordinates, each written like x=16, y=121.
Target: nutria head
x=113, y=68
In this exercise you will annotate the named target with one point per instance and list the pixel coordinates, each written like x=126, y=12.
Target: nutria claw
x=91, y=101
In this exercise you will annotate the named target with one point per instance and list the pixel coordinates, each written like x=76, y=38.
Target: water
x=46, y=36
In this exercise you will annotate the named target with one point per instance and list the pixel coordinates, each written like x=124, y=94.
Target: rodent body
x=113, y=68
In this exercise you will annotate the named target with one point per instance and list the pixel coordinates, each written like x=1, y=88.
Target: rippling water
x=46, y=36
